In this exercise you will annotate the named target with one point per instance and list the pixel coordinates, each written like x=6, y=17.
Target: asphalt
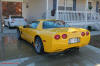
x=15, y=52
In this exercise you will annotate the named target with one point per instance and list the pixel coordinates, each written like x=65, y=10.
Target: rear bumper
x=65, y=47
x=62, y=46
x=16, y=25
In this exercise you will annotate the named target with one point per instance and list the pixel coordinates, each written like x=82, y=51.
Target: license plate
x=74, y=40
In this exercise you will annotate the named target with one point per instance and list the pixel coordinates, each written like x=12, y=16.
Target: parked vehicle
x=15, y=21
x=53, y=36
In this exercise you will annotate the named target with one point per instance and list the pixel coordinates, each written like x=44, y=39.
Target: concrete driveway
x=20, y=53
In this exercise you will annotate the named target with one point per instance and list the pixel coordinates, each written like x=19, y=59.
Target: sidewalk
x=93, y=33
x=7, y=30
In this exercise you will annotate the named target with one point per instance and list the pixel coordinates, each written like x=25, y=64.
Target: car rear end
x=16, y=21
x=69, y=39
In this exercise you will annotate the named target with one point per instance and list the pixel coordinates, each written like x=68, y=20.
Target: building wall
x=80, y=5
x=11, y=8
x=36, y=9
x=50, y=4
x=93, y=4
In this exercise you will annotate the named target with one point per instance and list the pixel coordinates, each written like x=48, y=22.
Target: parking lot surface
x=22, y=54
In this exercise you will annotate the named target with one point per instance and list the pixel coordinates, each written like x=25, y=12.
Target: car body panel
x=49, y=42
x=15, y=22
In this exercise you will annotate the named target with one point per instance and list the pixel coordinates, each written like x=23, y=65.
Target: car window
x=16, y=17
x=54, y=24
x=34, y=24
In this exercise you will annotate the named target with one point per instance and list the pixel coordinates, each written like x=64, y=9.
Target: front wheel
x=9, y=25
x=38, y=45
x=18, y=34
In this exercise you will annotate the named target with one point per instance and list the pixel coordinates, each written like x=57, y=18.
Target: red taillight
x=64, y=36
x=82, y=34
x=57, y=37
x=87, y=33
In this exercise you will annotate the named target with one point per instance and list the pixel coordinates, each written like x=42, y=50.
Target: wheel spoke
x=37, y=46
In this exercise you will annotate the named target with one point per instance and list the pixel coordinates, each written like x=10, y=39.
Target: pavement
x=15, y=52
x=6, y=30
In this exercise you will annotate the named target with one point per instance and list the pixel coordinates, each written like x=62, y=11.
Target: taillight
x=13, y=20
x=87, y=33
x=57, y=37
x=64, y=36
x=83, y=34
x=25, y=19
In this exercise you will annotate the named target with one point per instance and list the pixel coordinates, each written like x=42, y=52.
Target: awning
x=13, y=0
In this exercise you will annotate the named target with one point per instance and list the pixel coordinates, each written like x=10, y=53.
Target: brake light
x=25, y=19
x=64, y=36
x=87, y=33
x=13, y=20
x=82, y=34
x=57, y=37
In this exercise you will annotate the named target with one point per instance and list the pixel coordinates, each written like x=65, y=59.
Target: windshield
x=54, y=24
x=16, y=17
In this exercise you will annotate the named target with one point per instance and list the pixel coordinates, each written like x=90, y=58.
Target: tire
x=74, y=50
x=9, y=25
x=38, y=46
x=18, y=34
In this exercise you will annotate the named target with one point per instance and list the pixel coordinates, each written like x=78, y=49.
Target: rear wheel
x=74, y=50
x=9, y=25
x=38, y=45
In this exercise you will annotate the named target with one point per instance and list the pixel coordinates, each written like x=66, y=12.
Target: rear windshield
x=54, y=24
x=16, y=17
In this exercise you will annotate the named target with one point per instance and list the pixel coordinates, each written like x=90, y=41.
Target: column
x=47, y=11
x=57, y=13
x=65, y=4
x=86, y=11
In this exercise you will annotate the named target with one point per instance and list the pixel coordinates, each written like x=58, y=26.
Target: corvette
x=53, y=36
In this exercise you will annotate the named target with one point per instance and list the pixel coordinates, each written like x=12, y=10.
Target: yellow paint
x=51, y=44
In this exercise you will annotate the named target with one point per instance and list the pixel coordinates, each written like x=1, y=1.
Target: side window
x=48, y=24
x=34, y=24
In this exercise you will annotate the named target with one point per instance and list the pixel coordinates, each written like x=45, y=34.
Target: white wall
x=50, y=5
x=93, y=4
x=36, y=10
x=80, y=5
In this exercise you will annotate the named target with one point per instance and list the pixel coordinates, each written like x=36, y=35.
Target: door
x=97, y=6
x=29, y=32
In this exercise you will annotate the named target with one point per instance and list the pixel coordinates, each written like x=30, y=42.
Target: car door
x=30, y=31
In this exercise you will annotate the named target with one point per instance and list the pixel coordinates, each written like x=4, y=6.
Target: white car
x=15, y=21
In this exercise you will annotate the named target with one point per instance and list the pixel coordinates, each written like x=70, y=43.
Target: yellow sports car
x=53, y=36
